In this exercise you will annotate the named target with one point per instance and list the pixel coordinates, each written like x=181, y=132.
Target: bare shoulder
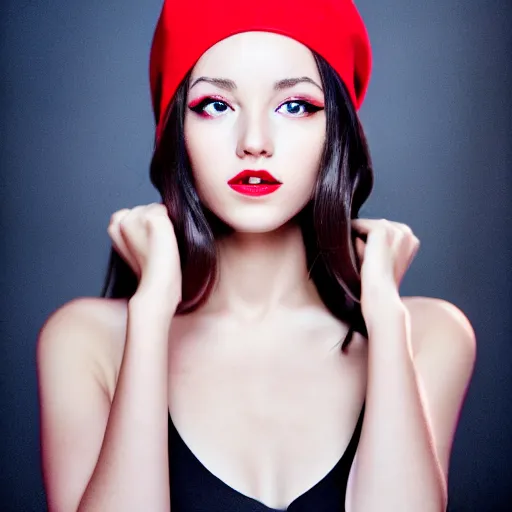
x=444, y=349
x=90, y=328
x=76, y=349
x=86, y=311
x=438, y=326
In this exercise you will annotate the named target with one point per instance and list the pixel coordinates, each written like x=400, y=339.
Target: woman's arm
x=412, y=407
x=98, y=456
x=415, y=385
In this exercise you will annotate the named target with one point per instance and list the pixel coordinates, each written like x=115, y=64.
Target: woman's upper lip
x=247, y=173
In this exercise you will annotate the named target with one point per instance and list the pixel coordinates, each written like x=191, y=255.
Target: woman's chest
x=267, y=411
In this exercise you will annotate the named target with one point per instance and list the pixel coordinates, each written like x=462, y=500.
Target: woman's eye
x=299, y=107
x=210, y=107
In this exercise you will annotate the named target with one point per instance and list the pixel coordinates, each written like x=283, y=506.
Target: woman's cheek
x=303, y=162
x=207, y=169
x=205, y=155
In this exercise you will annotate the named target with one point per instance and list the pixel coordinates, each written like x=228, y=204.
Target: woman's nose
x=254, y=137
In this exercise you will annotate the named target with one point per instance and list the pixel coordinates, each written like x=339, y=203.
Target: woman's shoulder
x=91, y=329
x=440, y=334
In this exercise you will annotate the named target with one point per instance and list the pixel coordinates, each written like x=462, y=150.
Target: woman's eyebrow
x=229, y=85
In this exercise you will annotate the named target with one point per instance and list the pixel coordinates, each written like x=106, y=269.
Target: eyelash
x=198, y=108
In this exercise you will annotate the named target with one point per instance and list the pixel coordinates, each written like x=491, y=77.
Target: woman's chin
x=258, y=218
x=256, y=226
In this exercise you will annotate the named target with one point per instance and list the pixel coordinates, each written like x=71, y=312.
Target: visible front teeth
x=254, y=181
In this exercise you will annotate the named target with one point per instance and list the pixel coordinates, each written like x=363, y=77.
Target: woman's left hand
x=385, y=257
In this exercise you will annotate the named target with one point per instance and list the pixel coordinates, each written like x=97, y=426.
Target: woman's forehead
x=256, y=52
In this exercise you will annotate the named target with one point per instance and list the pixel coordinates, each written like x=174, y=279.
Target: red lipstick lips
x=254, y=183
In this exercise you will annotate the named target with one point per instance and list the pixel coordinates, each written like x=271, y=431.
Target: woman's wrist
x=382, y=305
x=153, y=305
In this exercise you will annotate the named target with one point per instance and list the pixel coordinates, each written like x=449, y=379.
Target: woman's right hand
x=144, y=237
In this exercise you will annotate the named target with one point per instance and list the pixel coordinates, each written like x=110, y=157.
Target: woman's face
x=247, y=122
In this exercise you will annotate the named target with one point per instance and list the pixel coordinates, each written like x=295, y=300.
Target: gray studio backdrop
x=75, y=144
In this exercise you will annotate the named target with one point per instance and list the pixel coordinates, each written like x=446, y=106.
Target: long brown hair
x=345, y=180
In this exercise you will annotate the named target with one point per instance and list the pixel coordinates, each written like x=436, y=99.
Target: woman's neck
x=262, y=272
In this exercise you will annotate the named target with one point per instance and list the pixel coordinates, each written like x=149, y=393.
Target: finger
x=119, y=219
x=118, y=215
x=135, y=211
x=360, y=247
x=414, y=250
x=158, y=209
x=365, y=225
x=121, y=247
x=404, y=228
x=113, y=230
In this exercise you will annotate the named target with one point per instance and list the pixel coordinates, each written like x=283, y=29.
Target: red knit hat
x=332, y=28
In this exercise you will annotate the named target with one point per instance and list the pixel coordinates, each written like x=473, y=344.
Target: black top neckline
x=330, y=475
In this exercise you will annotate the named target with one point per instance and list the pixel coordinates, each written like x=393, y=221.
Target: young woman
x=253, y=321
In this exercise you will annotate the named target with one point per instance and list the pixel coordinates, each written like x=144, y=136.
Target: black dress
x=195, y=489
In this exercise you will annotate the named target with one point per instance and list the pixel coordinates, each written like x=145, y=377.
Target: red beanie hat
x=332, y=28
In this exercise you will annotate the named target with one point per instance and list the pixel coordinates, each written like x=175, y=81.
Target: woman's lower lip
x=255, y=190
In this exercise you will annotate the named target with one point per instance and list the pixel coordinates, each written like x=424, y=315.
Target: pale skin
x=253, y=379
